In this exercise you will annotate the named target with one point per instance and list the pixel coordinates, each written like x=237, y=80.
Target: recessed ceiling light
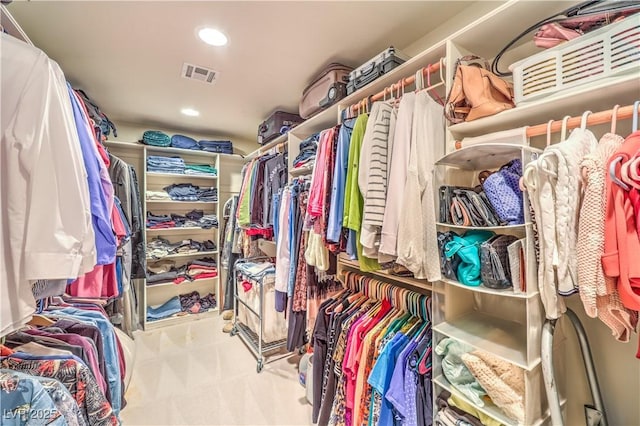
x=190, y=112
x=212, y=36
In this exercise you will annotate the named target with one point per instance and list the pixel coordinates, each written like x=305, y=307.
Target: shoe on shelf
x=227, y=328
x=227, y=315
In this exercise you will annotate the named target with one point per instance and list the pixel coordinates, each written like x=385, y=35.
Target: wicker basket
x=607, y=52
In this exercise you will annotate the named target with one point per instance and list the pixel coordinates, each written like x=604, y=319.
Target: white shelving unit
x=225, y=182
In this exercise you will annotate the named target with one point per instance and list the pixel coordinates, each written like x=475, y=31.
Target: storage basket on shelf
x=610, y=51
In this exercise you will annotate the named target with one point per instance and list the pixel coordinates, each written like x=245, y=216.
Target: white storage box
x=607, y=52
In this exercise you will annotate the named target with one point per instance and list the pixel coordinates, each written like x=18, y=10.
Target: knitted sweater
x=598, y=293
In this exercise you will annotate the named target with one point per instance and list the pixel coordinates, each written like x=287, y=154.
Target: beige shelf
x=179, y=202
x=266, y=147
x=485, y=156
x=301, y=171
x=600, y=95
x=503, y=338
x=182, y=176
x=150, y=325
x=486, y=290
x=386, y=276
x=182, y=284
x=180, y=230
x=182, y=255
x=486, y=228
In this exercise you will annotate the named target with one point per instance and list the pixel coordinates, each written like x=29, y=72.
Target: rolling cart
x=260, y=327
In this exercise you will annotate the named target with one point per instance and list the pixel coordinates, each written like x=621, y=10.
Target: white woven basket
x=607, y=52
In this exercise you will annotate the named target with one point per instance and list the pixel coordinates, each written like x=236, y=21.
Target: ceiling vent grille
x=196, y=72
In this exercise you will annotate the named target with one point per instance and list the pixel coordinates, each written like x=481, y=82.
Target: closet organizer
x=66, y=230
x=345, y=220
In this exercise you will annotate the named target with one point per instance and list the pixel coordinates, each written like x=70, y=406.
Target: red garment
x=118, y=225
x=621, y=240
x=5, y=351
x=101, y=282
x=163, y=225
x=204, y=275
x=264, y=232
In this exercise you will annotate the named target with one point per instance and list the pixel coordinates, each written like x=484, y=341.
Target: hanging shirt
x=46, y=222
x=353, y=201
x=417, y=236
x=336, y=209
x=372, y=177
x=397, y=177
x=100, y=193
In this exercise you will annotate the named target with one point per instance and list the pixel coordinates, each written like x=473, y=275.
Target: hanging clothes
x=417, y=236
x=46, y=216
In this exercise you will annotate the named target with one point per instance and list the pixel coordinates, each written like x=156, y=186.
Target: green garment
x=353, y=201
x=244, y=208
x=202, y=168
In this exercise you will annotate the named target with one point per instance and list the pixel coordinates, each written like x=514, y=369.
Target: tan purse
x=476, y=92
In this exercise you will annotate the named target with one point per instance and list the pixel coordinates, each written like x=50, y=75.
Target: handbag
x=476, y=92
x=467, y=248
x=502, y=189
x=494, y=257
x=448, y=265
x=466, y=207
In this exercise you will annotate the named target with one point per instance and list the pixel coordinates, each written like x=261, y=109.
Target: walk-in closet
x=332, y=213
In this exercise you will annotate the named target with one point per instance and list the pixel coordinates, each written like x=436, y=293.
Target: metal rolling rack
x=253, y=341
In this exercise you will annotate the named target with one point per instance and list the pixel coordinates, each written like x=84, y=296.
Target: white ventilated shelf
x=486, y=228
x=598, y=95
x=180, y=230
x=150, y=325
x=182, y=284
x=183, y=176
x=503, y=338
x=182, y=255
x=123, y=145
x=484, y=156
x=486, y=290
x=179, y=202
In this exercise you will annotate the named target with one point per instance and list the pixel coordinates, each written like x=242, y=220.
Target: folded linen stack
x=220, y=147
x=157, y=195
x=160, y=164
x=307, y=155
x=182, y=191
x=159, y=247
x=159, y=221
x=200, y=170
x=166, y=271
x=209, y=194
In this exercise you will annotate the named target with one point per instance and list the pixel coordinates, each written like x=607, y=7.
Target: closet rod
x=395, y=86
x=593, y=119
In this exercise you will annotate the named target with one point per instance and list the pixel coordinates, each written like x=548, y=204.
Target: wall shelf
x=180, y=230
x=487, y=290
x=182, y=284
x=182, y=255
x=180, y=176
x=486, y=228
x=503, y=338
x=179, y=202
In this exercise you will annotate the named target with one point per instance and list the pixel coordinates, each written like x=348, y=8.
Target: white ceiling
x=128, y=55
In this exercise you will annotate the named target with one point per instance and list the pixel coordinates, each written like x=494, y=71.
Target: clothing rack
x=381, y=95
x=593, y=119
x=11, y=26
x=408, y=300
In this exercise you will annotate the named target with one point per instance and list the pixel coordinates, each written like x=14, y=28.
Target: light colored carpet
x=194, y=374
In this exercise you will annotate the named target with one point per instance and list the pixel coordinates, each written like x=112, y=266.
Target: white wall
x=132, y=132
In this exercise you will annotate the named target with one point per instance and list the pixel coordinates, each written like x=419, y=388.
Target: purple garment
x=100, y=186
x=76, y=340
x=404, y=404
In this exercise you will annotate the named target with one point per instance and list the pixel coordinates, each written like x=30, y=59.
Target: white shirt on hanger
x=44, y=203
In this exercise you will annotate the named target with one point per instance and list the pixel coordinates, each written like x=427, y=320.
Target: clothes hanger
x=563, y=131
x=617, y=160
x=38, y=320
x=584, y=119
x=629, y=169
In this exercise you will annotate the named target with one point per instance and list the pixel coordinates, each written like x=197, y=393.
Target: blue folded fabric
x=220, y=147
x=184, y=142
x=168, y=308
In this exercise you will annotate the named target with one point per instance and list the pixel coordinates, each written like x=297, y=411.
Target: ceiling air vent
x=196, y=72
